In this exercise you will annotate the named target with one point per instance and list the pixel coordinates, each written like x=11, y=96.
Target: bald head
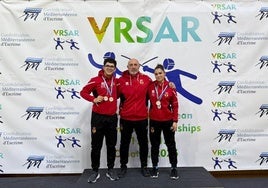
x=133, y=66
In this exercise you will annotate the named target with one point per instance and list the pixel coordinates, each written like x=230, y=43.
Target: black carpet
x=39, y=181
x=189, y=177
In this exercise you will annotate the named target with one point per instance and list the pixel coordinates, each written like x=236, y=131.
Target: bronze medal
x=105, y=98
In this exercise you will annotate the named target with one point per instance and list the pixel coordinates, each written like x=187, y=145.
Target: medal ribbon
x=109, y=90
x=159, y=97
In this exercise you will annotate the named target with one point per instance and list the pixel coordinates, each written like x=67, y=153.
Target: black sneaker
x=112, y=175
x=145, y=172
x=154, y=173
x=174, y=174
x=93, y=177
x=122, y=172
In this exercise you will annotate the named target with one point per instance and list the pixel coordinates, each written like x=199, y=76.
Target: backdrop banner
x=215, y=52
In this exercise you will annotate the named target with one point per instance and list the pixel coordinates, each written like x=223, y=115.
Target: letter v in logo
x=99, y=32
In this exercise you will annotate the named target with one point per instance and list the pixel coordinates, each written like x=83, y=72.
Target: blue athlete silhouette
x=230, y=18
x=60, y=141
x=216, y=17
x=74, y=93
x=74, y=140
x=230, y=67
x=174, y=76
x=217, y=162
x=60, y=91
x=230, y=115
x=58, y=41
x=105, y=56
x=231, y=163
x=216, y=66
x=216, y=114
x=73, y=44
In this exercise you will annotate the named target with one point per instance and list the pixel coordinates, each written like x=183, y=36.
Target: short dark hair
x=109, y=60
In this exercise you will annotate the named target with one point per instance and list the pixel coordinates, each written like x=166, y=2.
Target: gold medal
x=111, y=99
x=159, y=106
x=105, y=98
x=158, y=103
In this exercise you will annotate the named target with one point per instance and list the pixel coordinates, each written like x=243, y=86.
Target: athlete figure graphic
x=216, y=17
x=74, y=93
x=231, y=163
x=60, y=139
x=58, y=41
x=175, y=77
x=216, y=114
x=172, y=76
x=230, y=67
x=230, y=115
x=230, y=18
x=73, y=44
x=60, y=91
x=100, y=65
x=74, y=140
x=217, y=162
x=216, y=66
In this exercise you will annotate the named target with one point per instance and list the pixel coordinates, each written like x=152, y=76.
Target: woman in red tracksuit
x=102, y=92
x=163, y=115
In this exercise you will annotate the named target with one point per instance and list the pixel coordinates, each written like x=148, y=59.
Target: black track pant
x=103, y=126
x=141, y=129
x=156, y=127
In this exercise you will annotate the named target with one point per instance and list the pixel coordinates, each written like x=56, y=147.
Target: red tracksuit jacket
x=95, y=87
x=132, y=91
x=169, y=102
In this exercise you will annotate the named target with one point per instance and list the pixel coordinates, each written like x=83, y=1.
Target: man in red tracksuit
x=102, y=92
x=132, y=89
